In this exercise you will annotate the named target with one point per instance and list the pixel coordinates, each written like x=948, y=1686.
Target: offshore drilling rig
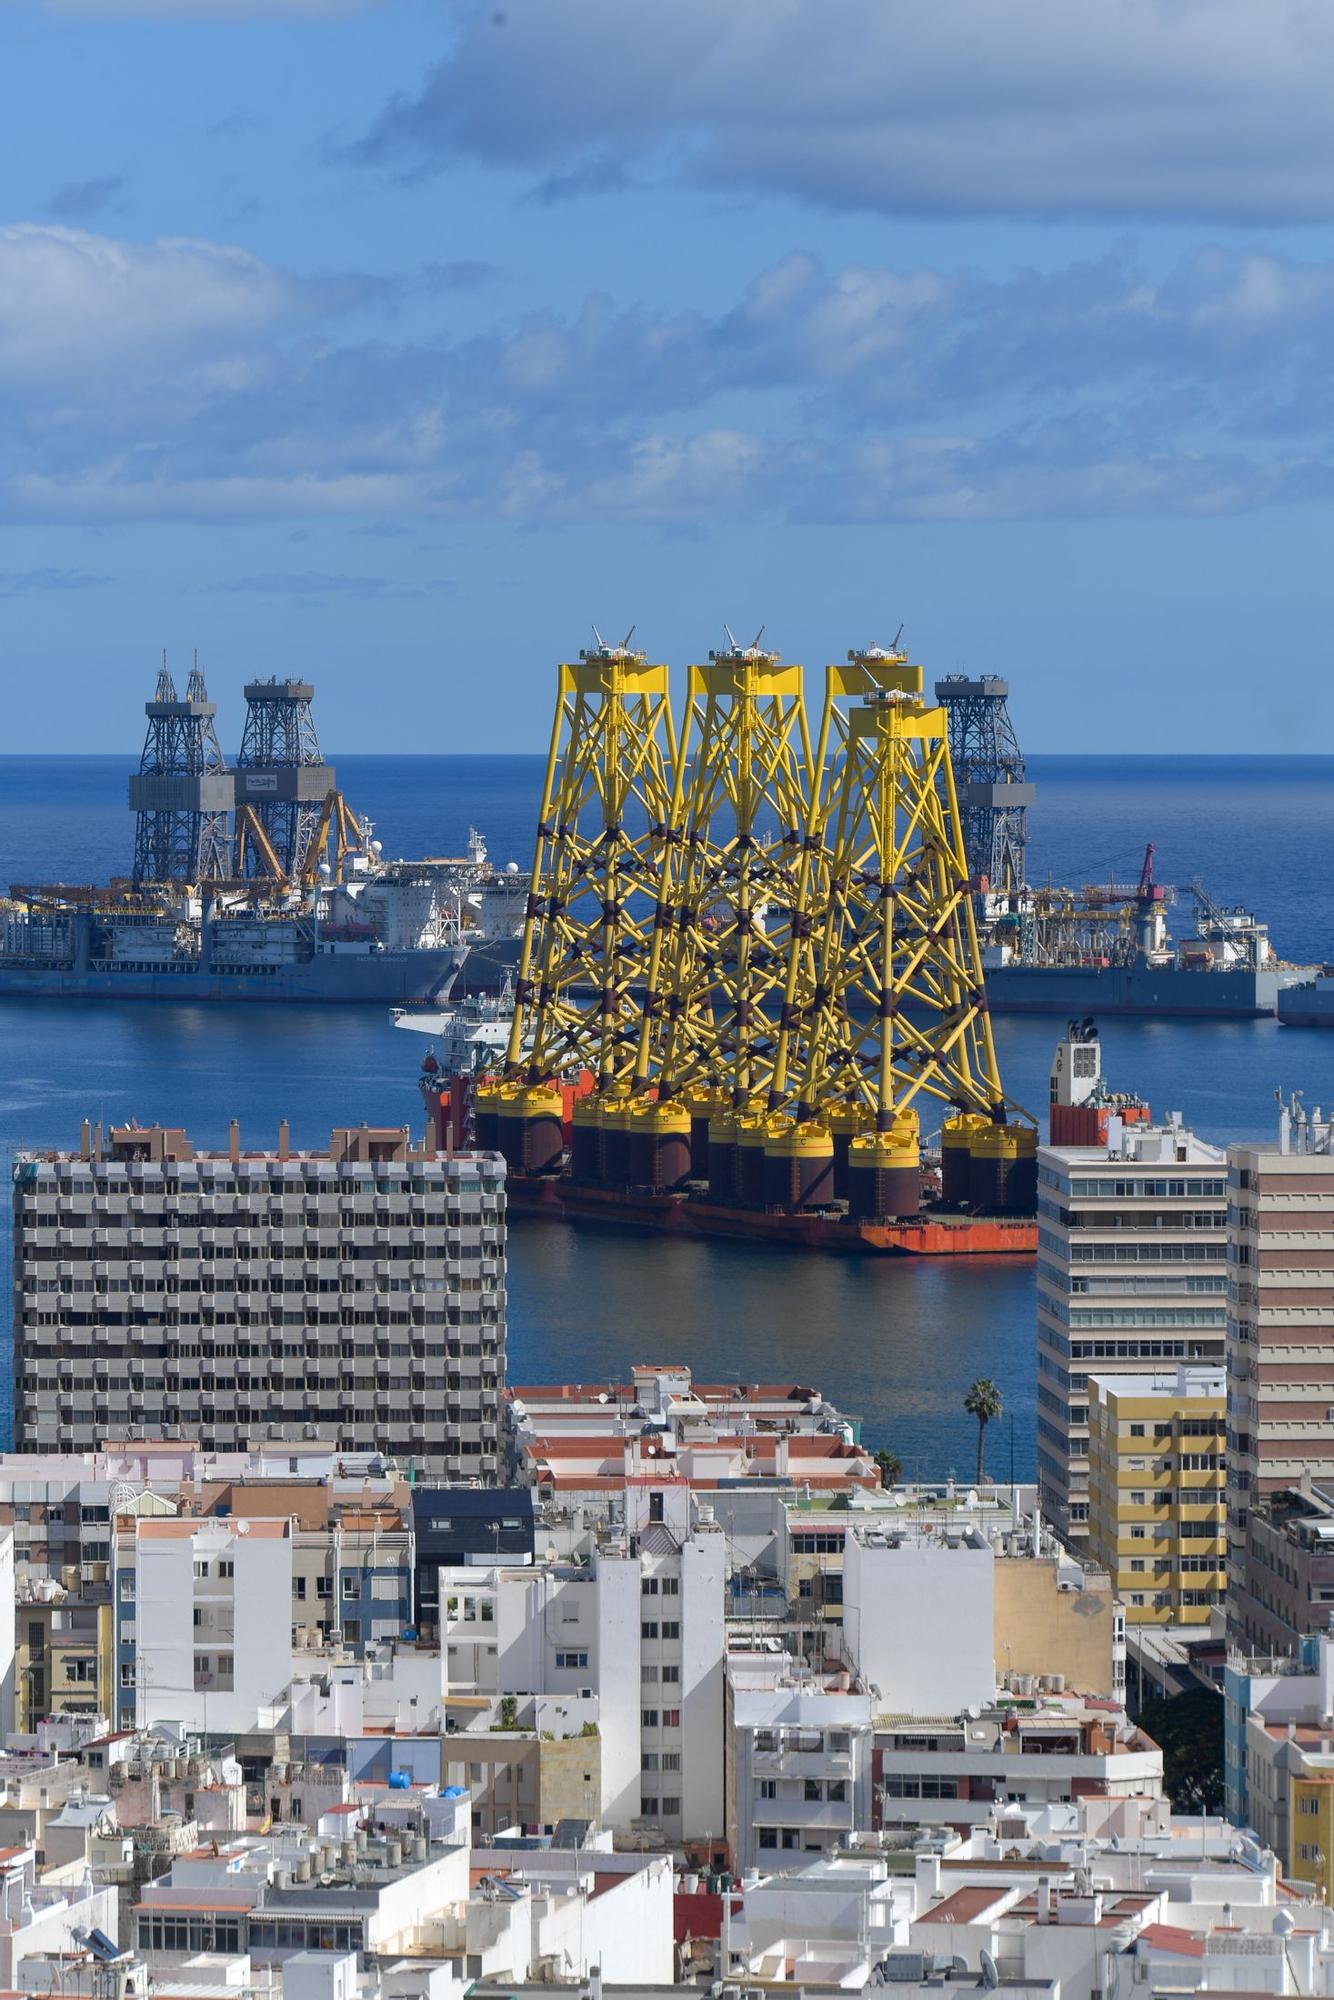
x=749, y=979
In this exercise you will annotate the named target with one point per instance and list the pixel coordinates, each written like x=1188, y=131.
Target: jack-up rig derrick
x=990, y=778
x=591, y=928
x=282, y=781
x=182, y=792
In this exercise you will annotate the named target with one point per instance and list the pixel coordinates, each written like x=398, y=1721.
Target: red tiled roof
x=965, y=1906
x=1171, y=1937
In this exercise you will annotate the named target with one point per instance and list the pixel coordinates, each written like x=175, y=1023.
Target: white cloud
x=1213, y=108
x=191, y=381
x=205, y=10
x=72, y=301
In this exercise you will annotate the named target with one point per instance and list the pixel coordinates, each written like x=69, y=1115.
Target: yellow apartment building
x=1157, y=1498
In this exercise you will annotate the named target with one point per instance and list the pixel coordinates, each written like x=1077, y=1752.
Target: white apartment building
x=1280, y=1357
x=1132, y=1269
x=919, y=1616
x=798, y=1762
x=355, y=1295
x=638, y=1629
x=8, y=1689
x=38, y=1915
x=212, y=1609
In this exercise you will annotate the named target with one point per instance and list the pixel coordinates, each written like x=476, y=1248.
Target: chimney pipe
x=234, y=1140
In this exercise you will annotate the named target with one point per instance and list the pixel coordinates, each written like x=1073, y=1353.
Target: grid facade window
x=358, y=1301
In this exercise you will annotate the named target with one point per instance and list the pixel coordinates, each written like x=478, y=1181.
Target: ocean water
x=894, y=1342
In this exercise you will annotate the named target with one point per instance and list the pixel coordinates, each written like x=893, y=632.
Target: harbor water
x=895, y=1342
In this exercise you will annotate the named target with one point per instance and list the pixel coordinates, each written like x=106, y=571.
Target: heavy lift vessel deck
x=750, y=965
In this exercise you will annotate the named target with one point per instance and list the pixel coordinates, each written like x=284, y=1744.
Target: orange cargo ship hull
x=931, y=1235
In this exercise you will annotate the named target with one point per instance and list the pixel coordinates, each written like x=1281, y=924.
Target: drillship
x=1105, y=948
x=249, y=883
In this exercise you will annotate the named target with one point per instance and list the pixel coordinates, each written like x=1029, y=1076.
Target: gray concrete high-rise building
x=1280, y=1366
x=354, y=1295
x=1132, y=1273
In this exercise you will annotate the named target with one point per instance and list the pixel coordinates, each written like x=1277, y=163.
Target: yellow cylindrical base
x=486, y=1103
x=530, y=1131
x=956, y=1138
x=993, y=1156
x=659, y=1146
x=722, y=1157
x=798, y=1165
x=845, y=1121
x=585, y=1140
x=752, y=1136
x=885, y=1171
x=703, y=1106
x=614, y=1118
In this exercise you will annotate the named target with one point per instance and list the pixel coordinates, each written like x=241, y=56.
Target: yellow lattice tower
x=743, y=798
x=588, y=935
x=896, y=1011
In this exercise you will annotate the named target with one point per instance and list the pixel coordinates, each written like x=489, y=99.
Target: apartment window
x=671, y=1675
x=201, y=1571
x=671, y=1718
x=649, y=1587
x=299, y=1588
x=649, y=1761
x=574, y=1660
x=670, y=1806
x=649, y=1808
x=768, y=1836
x=648, y=1718
x=323, y=1586
x=671, y=1760
x=226, y=1567
x=671, y=1628
x=767, y=1788
x=649, y=1629
x=352, y=1586
x=671, y=1586
x=352, y=1630
x=127, y=1675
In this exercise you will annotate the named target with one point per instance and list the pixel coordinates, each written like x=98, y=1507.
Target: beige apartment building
x=1280, y=1351
x=354, y=1295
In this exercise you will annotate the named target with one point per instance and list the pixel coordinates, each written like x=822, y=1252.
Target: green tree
x=891, y=1467
x=1188, y=1729
x=983, y=1401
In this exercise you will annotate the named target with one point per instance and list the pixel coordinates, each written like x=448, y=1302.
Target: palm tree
x=983, y=1401
x=891, y=1467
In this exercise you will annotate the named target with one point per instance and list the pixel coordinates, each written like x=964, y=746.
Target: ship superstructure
x=1105, y=946
x=252, y=882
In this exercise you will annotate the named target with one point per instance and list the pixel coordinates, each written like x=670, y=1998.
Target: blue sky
x=394, y=343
